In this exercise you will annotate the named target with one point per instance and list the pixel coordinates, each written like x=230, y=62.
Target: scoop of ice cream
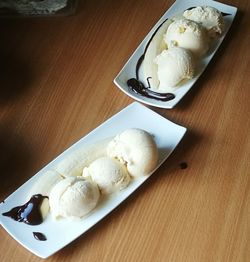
x=136, y=149
x=174, y=65
x=108, y=173
x=207, y=16
x=187, y=34
x=73, y=197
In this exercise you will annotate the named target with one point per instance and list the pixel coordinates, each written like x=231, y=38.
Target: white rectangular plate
x=60, y=233
x=129, y=69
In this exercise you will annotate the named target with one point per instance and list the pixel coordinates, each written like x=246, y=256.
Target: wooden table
x=56, y=86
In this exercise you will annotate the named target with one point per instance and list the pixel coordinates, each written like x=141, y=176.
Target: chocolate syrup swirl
x=39, y=236
x=29, y=213
x=138, y=87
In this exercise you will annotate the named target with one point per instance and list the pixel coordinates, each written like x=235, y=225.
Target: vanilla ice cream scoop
x=108, y=173
x=207, y=16
x=136, y=149
x=73, y=197
x=174, y=65
x=187, y=34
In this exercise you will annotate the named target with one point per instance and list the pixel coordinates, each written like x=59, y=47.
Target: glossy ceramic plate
x=60, y=233
x=129, y=70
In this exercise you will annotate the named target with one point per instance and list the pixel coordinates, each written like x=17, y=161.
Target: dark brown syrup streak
x=29, y=213
x=138, y=87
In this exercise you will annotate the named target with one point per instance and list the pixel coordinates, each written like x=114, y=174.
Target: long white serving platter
x=60, y=233
x=134, y=62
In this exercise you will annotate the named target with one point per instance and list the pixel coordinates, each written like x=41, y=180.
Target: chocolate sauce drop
x=39, y=236
x=183, y=165
x=29, y=213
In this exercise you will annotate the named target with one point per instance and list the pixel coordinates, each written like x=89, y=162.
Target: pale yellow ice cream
x=136, y=149
x=209, y=17
x=109, y=174
x=73, y=197
x=174, y=65
x=105, y=167
x=187, y=34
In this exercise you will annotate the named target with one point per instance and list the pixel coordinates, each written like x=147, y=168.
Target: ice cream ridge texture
x=77, y=183
x=176, y=48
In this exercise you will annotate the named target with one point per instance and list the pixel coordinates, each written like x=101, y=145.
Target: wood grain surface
x=56, y=85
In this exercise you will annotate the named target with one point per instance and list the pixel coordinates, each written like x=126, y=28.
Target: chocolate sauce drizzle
x=29, y=213
x=39, y=236
x=138, y=87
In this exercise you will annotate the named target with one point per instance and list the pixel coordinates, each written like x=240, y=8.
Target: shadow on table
x=15, y=72
x=15, y=157
x=14, y=76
